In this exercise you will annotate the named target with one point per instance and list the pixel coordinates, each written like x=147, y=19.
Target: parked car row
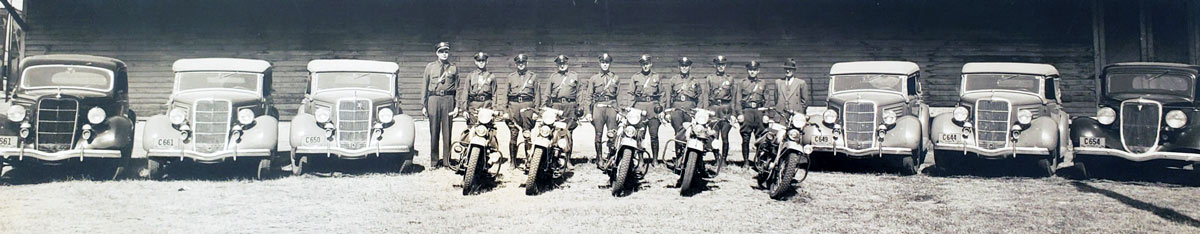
x=67, y=108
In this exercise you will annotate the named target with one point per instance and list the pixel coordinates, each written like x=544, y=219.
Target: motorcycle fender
x=629, y=142
x=695, y=144
x=541, y=142
x=792, y=145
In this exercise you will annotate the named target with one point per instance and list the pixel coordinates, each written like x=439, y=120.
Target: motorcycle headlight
x=322, y=114
x=480, y=130
x=16, y=113
x=960, y=114
x=633, y=118
x=245, y=116
x=96, y=115
x=829, y=116
x=548, y=119
x=545, y=131
x=1024, y=117
x=630, y=131
x=701, y=117
x=799, y=120
x=699, y=130
x=889, y=117
x=386, y=115
x=794, y=134
x=1176, y=119
x=177, y=116
x=563, y=144
x=486, y=118
x=1106, y=115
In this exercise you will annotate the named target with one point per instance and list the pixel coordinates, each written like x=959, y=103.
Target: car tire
x=155, y=170
x=907, y=165
x=947, y=162
x=263, y=169
x=1045, y=167
x=298, y=167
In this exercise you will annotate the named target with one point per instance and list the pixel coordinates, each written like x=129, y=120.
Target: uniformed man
x=603, y=89
x=481, y=84
x=646, y=92
x=522, y=92
x=438, y=98
x=685, y=95
x=749, y=96
x=562, y=90
x=792, y=93
x=720, y=100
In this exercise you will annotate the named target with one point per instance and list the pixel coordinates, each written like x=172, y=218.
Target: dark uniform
x=562, y=91
x=792, y=93
x=481, y=85
x=522, y=92
x=438, y=97
x=646, y=92
x=685, y=95
x=720, y=88
x=750, y=96
x=603, y=88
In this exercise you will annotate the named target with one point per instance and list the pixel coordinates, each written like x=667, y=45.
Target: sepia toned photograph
x=600, y=116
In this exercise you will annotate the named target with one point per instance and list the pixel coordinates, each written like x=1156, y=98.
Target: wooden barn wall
x=940, y=35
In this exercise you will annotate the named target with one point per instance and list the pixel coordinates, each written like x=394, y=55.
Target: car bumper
x=1190, y=157
x=20, y=153
x=993, y=153
x=352, y=154
x=196, y=155
x=868, y=152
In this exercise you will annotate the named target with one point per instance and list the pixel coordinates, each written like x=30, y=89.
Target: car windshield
x=68, y=76
x=358, y=80
x=1012, y=82
x=217, y=80
x=887, y=82
x=1166, y=83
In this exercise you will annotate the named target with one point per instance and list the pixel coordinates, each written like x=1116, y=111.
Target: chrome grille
x=354, y=123
x=859, y=122
x=211, y=124
x=1140, y=123
x=992, y=122
x=56, y=119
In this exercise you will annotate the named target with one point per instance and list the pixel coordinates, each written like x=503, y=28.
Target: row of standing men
x=601, y=96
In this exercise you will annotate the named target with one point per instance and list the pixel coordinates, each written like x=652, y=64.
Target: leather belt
x=646, y=98
x=687, y=99
x=520, y=98
x=751, y=104
x=603, y=98
x=719, y=101
x=480, y=97
x=442, y=93
x=562, y=100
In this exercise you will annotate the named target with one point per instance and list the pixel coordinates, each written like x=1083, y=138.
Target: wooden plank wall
x=940, y=35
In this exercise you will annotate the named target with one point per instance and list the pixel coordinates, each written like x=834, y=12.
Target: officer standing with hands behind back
x=438, y=98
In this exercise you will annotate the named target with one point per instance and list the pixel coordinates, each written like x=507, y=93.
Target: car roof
x=1193, y=68
x=352, y=65
x=1021, y=68
x=74, y=59
x=875, y=67
x=221, y=64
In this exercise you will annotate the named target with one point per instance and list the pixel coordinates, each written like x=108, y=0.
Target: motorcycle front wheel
x=471, y=177
x=783, y=172
x=689, y=172
x=536, y=164
x=624, y=167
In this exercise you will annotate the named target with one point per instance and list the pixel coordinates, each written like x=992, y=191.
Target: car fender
x=943, y=124
x=1187, y=140
x=906, y=134
x=158, y=127
x=402, y=132
x=815, y=127
x=1089, y=127
x=1042, y=133
x=263, y=135
x=305, y=125
x=119, y=134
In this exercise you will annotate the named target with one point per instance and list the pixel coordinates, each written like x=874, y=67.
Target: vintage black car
x=68, y=108
x=1146, y=113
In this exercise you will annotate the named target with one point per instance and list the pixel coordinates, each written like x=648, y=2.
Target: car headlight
x=1024, y=117
x=16, y=113
x=245, y=116
x=960, y=114
x=794, y=135
x=1176, y=119
x=829, y=116
x=177, y=115
x=1106, y=115
x=630, y=131
x=480, y=130
x=386, y=115
x=701, y=117
x=322, y=114
x=96, y=115
x=545, y=131
x=799, y=120
x=633, y=118
x=889, y=117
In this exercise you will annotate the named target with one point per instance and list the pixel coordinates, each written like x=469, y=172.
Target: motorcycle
x=627, y=156
x=479, y=147
x=780, y=155
x=700, y=135
x=551, y=145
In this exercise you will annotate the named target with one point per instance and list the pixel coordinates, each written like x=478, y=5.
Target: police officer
x=522, y=92
x=685, y=95
x=563, y=90
x=750, y=97
x=603, y=89
x=438, y=98
x=647, y=92
x=481, y=84
x=792, y=93
x=720, y=100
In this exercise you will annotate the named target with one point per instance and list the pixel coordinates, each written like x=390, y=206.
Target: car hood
x=1014, y=98
x=880, y=98
x=1167, y=100
x=333, y=96
x=236, y=98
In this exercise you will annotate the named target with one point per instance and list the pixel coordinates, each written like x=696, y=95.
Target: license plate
x=8, y=141
x=312, y=140
x=165, y=143
x=951, y=138
x=1095, y=142
x=822, y=140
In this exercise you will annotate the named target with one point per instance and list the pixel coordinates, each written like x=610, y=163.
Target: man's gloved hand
x=658, y=108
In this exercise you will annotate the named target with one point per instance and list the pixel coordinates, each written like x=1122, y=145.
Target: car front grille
x=860, y=124
x=992, y=121
x=354, y=123
x=211, y=124
x=56, y=120
x=1140, y=123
